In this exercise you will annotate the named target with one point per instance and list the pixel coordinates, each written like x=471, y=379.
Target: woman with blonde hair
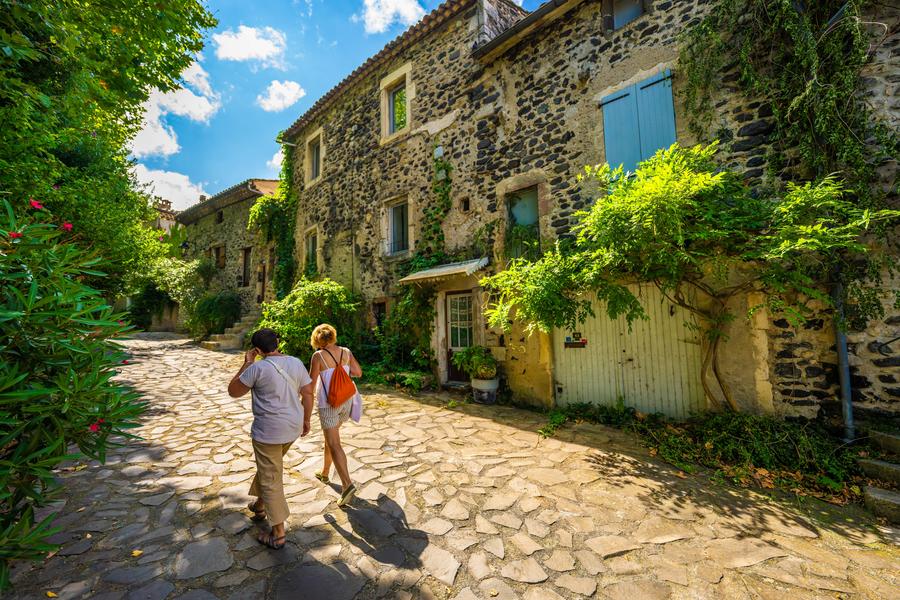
x=329, y=356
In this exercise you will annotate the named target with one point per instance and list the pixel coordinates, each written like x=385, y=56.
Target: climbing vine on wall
x=405, y=336
x=275, y=217
x=434, y=212
x=806, y=59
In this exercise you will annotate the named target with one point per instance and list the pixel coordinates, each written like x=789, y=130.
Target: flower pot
x=484, y=391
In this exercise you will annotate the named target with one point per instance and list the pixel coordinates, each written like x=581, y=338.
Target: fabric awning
x=449, y=271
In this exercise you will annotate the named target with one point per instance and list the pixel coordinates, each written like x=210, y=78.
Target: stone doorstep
x=883, y=503
x=889, y=442
x=880, y=469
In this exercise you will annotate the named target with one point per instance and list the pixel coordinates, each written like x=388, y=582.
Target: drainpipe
x=840, y=337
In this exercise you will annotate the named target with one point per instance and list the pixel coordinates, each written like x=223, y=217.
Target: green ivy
x=275, y=217
x=806, y=60
x=431, y=229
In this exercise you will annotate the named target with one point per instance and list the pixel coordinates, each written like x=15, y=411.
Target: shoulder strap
x=336, y=363
x=291, y=383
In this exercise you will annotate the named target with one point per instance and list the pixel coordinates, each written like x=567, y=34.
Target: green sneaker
x=347, y=495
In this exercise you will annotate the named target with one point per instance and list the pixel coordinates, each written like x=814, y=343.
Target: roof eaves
x=219, y=201
x=428, y=23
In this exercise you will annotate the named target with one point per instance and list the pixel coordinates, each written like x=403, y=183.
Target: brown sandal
x=258, y=515
x=271, y=541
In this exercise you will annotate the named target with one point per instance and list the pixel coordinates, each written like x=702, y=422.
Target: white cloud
x=280, y=95
x=156, y=137
x=170, y=185
x=265, y=45
x=379, y=15
x=275, y=162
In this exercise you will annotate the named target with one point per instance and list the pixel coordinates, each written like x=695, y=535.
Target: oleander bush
x=57, y=395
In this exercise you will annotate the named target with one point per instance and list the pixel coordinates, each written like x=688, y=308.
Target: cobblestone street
x=466, y=502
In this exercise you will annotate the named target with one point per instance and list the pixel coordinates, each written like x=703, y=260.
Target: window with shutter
x=638, y=121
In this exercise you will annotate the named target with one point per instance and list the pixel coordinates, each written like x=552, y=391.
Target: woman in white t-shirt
x=277, y=383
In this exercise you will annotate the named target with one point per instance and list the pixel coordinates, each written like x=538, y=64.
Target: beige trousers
x=268, y=483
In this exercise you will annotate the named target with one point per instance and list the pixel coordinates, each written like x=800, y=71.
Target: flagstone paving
x=463, y=503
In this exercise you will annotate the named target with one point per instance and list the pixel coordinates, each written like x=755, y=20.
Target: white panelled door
x=654, y=367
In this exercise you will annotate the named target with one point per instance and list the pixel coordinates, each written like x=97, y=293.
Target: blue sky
x=262, y=67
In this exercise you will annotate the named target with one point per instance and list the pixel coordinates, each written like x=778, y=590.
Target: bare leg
x=326, y=469
x=333, y=439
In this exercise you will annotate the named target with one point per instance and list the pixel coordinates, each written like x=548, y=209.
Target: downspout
x=840, y=337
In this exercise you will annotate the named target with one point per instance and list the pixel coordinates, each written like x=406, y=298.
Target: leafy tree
x=59, y=358
x=698, y=233
x=73, y=78
x=309, y=304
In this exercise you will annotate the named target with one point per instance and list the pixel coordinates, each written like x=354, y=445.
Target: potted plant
x=480, y=365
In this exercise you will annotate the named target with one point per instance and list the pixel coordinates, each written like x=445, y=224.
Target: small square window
x=464, y=205
x=398, y=222
x=626, y=11
x=220, y=217
x=397, y=119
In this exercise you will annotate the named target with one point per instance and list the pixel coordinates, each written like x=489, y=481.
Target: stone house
x=217, y=231
x=517, y=103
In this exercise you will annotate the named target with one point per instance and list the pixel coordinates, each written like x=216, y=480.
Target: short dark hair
x=266, y=340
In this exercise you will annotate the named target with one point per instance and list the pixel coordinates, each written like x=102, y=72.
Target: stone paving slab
x=467, y=503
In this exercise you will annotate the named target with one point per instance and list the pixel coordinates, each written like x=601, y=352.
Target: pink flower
x=120, y=322
x=101, y=421
x=14, y=235
x=36, y=205
x=124, y=362
x=56, y=186
x=67, y=226
x=95, y=427
x=162, y=238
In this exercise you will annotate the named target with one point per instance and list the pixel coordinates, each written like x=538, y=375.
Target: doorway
x=460, y=330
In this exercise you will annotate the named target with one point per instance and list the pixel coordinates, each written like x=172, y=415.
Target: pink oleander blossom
x=15, y=235
x=36, y=205
x=66, y=226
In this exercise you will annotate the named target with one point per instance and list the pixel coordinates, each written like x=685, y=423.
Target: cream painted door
x=654, y=367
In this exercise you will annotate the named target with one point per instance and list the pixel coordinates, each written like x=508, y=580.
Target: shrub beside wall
x=311, y=303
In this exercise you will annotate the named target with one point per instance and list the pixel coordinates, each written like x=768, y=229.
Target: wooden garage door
x=654, y=367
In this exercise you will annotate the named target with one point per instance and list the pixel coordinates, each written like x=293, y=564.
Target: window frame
x=387, y=240
x=401, y=76
x=316, y=137
x=219, y=256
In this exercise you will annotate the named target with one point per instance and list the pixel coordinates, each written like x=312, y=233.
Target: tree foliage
x=697, y=232
x=73, y=79
x=309, y=304
x=56, y=387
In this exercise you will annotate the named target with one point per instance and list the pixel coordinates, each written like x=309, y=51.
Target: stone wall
x=206, y=233
x=530, y=116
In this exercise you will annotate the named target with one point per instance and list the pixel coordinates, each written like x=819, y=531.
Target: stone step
x=881, y=470
x=209, y=345
x=889, y=442
x=884, y=503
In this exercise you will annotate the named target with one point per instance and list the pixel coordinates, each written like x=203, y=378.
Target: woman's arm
x=355, y=369
x=315, y=368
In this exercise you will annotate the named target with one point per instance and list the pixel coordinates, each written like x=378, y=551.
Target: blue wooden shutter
x=656, y=114
x=621, y=133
